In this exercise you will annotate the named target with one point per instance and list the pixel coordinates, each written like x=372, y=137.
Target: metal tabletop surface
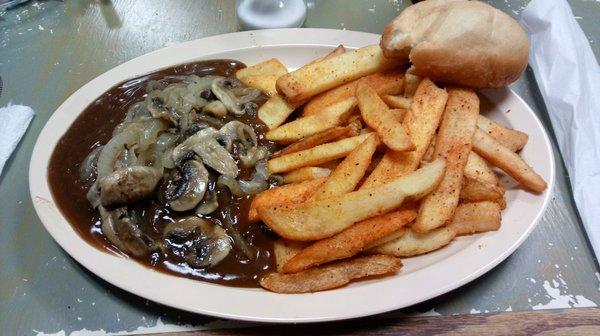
x=48, y=49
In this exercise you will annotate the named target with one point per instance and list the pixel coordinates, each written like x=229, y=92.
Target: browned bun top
x=458, y=42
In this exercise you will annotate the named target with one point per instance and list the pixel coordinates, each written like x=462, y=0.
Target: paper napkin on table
x=569, y=79
x=14, y=120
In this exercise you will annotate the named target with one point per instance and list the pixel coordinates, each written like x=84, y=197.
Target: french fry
x=382, y=83
x=397, y=101
x=508, y=137
x=350, y=241
x=414, y=243
x=411, y=83
x=328, y=135
x=330, y=276
x=508, y=161
x=287, y=194
x=332, y=116
x=379, y=117
x=421, y=122
x=335, y=52
x=453, y=142
x=476, y=217
x=275, y=111
x=474, y=190
x=349, y=172
x=284, y=250
x=477, y=168
x=265, y=83
x=316, y=155
x=305, y=173
x=428, y=156
x=318, y=77
x=269, y=67
x=313, y=220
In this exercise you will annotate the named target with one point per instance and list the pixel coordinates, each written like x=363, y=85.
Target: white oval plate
x=422, y=277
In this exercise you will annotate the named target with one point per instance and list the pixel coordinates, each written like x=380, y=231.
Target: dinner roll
x=458, y=42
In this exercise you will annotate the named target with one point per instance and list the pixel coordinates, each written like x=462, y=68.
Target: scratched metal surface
x=49, y=49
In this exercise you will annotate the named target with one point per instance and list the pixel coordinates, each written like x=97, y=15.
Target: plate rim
x=55, y=232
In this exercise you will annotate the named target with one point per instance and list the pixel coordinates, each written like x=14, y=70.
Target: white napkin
x=569, y=79
x=14, y=120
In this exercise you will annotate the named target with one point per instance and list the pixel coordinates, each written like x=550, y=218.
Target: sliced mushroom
x=202, y=243
x=216, y=108
x=128, y=185
x=122, y=229
x=209, y=203
x=232, y=93
x=205, y=145
x=187, y=188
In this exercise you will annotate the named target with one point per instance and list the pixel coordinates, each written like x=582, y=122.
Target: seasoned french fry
x=453, y=143
x=508, y=137
x=316, y=155
x=335, y=52
x=411, y=83
x=421, y=122
x=350, y=241
x=397, y=101
x=477, y=168
x=323, y=218
x=269, y=67
x=476, y=217
x=382, y=83
x=414, y=243
x=305, y=173
x=379, y=117
x=508, y=161
x=330, y=276
x=285, y=250
x=287, y=194
x=474, y=190
x=265, y=83
x=315, y=78
x=332, y=116
x=349, y=172
x=328, y=135
x=275, y=111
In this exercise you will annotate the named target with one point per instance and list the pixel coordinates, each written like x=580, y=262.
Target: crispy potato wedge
x=284, y=250
x=379, y=117
x=476, y=217
x=453, y=142
x=330, y=276
x=313, y=220
x=328, y=135
x=382, y=83
x=349, y=172
x=397, y=102
x=319, y=77
x=507, y=160
x=350, y=241
x=392, y=236
x=316, y=155
x=414, y=243
x=421, y=122
x=474, y=190
x=335, y=52
x=269, y=67
x=399, y=113
x=287, y=194
x=428, y=156
x=411, y=83
x=265, y=83
x=332, y=116
x=275, y=111
x=508, y=137
x=477, y=168
x=305, y=174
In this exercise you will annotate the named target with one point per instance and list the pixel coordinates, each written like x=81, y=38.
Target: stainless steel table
x=48, y=49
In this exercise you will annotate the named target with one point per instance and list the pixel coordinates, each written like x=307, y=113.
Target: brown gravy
x=94, y=127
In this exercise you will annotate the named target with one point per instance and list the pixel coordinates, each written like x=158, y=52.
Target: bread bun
x=467, y=43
